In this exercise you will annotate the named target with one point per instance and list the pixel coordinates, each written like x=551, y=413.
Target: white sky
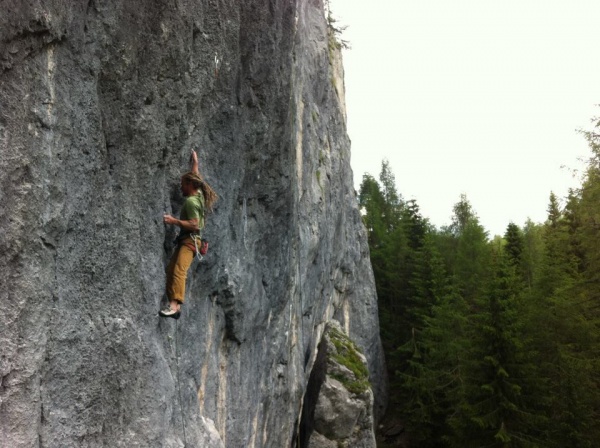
x=481, y=97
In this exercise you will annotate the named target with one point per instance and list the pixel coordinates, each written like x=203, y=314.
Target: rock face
x=100, y=104
x=343, y=411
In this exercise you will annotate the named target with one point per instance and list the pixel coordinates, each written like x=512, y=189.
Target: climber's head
x=192, y=182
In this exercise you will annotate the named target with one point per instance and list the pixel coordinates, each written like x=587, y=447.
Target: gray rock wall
x=100, y=104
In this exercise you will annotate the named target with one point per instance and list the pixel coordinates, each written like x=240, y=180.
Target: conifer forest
x=490, y=342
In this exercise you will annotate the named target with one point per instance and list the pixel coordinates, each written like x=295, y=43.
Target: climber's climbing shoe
x=169, y=312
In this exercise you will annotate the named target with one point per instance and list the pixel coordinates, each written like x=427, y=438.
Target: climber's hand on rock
x=168, y=219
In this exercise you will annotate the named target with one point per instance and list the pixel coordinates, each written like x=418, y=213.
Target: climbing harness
x=202, y=248
x=179, y=384
x=199, y=246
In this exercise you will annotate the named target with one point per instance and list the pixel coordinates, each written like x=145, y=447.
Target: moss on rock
x=348, y=355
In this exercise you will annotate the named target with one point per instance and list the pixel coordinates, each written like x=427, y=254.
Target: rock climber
x=200, y=198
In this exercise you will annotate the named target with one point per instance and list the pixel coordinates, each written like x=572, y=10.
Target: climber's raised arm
x=194, y=162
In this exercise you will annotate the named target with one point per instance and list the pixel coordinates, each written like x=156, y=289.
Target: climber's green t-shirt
x=193, y=208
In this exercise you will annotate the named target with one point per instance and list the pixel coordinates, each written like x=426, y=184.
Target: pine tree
x=432, y=380
x=490, y=343
x=565, y=338
x=372, y=202
x=514, y=244
x=393, y=203
x=533, y=249
x=501, y=406
x=472, y=252
x=382, y=208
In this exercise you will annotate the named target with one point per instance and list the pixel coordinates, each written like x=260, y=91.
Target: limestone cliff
x=100, y=104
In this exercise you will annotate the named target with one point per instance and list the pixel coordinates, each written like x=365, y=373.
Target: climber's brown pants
x=177, y=272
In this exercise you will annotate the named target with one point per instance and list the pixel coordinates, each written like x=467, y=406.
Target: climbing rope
x=179, y=384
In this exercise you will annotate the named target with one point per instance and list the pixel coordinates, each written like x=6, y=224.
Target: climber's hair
x=210, y=197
